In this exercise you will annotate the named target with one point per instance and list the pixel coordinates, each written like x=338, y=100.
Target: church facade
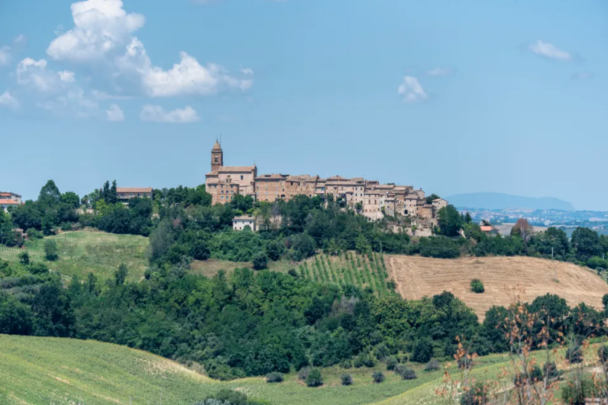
x=367, y=197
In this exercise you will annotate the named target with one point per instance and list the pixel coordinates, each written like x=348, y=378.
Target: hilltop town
x=367, y=197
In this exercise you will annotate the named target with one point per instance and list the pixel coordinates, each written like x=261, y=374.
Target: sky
x=450, y=96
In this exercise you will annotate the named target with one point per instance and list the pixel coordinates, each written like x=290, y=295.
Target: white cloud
x=34, y=74
x=102, y=39
x=66, y=76
x=440, y=71
x=411, y=90
x=20, y=41
x=549, y=51
x=583, y=76
x=155, y=113
x=115, y=113
x=247, y=71
x=5, y=55
x=6, y=100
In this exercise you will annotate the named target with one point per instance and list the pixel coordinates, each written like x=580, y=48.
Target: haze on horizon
x=451, y=97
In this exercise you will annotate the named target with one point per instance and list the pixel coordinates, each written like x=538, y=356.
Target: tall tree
x=449, y=220
x=49, y=195
x=524, y=230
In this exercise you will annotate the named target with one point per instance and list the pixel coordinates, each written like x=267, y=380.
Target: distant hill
x=495, y=201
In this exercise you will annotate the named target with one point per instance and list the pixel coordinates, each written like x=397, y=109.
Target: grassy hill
x=88, y=251
x=505, y=279
x=42, y=371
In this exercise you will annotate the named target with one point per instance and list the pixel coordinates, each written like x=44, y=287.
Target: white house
x=239, y=223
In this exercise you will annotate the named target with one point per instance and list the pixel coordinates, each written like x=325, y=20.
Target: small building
x=9, y=195
x=239, y=223
x=126, y=193
x=489, y=230
x=5, y=203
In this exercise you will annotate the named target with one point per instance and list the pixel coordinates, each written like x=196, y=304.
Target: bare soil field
x=506, y=279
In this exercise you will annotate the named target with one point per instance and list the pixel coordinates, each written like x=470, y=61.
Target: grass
x=348, y=268
x=211, y=267
x=39, y=371
x=83, y=252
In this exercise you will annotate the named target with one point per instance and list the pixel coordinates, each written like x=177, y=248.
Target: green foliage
x=260, y=261
x=121, y=274
x=586, y=242
x=51, y=253
x=476, y=395
x=346, y=379
x=378, y=377
x=477, y=286
x=432, y=365
x=24, y=258
x=38, y=268
x=391, y=363
x=439, y=247
x=405, y=372
x=574, y=354
x=449, y=220
x=228, y=397
x=274, y=378
x=314, y=378
x=422, y=351
x=597, y=263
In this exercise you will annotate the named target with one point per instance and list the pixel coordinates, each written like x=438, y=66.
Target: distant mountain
x=495, y=201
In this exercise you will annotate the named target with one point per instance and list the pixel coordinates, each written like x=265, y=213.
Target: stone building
x=367, y=197
x=124, y=194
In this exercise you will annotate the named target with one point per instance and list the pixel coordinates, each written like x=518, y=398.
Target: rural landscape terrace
x=295, y=202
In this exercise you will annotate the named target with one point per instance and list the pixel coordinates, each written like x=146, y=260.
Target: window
x=241, y=177
x=216, y=158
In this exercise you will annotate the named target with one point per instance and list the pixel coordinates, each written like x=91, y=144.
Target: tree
x=430, y=198
x=24, y=258
x=15, y=317
x=346, y=379
x=362, y=245
x=49, y=195
x=422, y=351
x=586, y=242
x=51, y=251
x=524, y=230
x=378, y=377
x=477, y=286
x=121, y=274
x=260, y=261
x=70, y=199
x=449, y=220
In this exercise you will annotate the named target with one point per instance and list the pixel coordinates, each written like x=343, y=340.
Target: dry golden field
x=505, y=279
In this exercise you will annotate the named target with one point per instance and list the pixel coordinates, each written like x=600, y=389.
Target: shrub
x=378, y=377
x=432, y=365
x=38, y=268
x=346, y=363
x=314, y=378
x=346, y=379
x=274, y=378
x=303, y=373
x=391, y=363
x=422, y=351
x=24, y=258
x=534, y=376
x=260, y=261
x=477, y=286
x=477, y=395
x=408, y=374
x=550, y=370
x=33, y=234
x=358, y=363
x=50, y=250
x=574, y=354
x=465, y=362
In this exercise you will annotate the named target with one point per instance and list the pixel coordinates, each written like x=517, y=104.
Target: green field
x=348, y=268
x=46, y=371
x=83, y=252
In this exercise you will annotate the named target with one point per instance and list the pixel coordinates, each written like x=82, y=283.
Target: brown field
x=505, y=279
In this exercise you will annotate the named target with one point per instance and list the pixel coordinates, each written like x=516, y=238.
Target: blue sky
x=449, y=96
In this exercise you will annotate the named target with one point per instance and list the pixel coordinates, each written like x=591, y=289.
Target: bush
x=274, y=378
x=477, y=286
x=550, y=370
x=432, y=365
x=602, y=354
x=50, y=250
x=407, y=373
x=346, y=379
x=24, y=258
x=422, y=351
x=477, y=395
x=378, y=377
x=34, y=234
x=346, y=363
x=314, y=378
x=391, y=363
x=303, y=373
x=535, y=376
x=260, y=261
x=38, y=268
x=574, y=354
x=465, y=362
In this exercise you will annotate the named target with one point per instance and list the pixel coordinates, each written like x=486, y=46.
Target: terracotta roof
x=212, y=173
x=487, y=228
x=217, y=146
x=339, y=178
x=243, y=218
x=8, y=193
x=8, y=202
x=231, y=169
x=133, y=189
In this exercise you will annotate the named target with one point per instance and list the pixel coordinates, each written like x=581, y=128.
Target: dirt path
x=505, y=280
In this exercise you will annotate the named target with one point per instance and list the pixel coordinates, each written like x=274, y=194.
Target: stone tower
x=217, y=156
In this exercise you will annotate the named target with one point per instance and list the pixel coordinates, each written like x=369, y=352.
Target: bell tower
x=217, y=156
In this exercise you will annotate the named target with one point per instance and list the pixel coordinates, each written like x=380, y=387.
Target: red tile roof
x=133, y=189
x=8, y=202
x=487, y=228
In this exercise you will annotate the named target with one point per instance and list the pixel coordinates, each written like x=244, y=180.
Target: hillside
x=505, y=279
x=40, y=371
x=494, y=201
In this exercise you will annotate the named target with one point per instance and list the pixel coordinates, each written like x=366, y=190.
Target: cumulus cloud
x=66, y=76
x=5, y=55
x=550, y=51
x=115, y=113
x=35, y=75
x=440, y=71
x=156, y=113
x=6, y=100
x=103, y=40
x=411, y=90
